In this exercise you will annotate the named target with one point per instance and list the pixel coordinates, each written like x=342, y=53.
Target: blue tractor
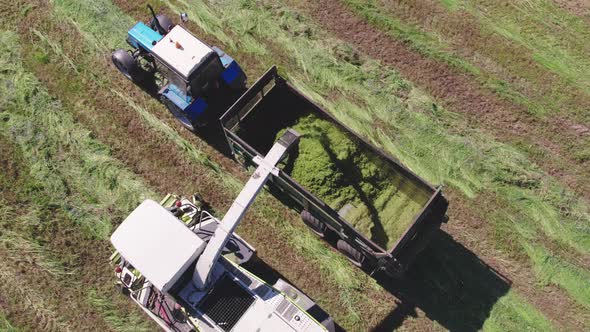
x=189, y=75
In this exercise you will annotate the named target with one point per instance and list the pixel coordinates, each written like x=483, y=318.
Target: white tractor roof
x=181, y=50
x=157, y=244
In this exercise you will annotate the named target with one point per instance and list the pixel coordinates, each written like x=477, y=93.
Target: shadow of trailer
x=414, y=207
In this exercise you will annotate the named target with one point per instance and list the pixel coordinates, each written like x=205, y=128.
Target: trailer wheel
x=353, y=255
x=125, y=63
x=178, y=113
x=313, y=223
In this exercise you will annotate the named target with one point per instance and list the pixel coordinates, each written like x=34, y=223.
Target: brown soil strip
x=491, y=52
x=580, y=8
x=459, y=92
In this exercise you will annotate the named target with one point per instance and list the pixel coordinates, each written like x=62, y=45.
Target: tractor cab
x=190, y=74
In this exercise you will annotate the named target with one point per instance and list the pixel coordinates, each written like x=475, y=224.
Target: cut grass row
x=437, y=41
x=501, y=67
x=5, y=324
x=66, y=188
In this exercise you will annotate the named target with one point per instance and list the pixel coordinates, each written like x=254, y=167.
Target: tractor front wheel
x=178, y=113
x=125, y=63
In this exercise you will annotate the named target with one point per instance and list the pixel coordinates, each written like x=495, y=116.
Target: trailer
x=271, y=104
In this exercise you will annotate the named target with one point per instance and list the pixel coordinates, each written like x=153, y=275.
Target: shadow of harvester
x=450, y=284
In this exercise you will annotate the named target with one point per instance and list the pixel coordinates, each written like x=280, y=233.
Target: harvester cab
x=182, y=266
x=188, y=73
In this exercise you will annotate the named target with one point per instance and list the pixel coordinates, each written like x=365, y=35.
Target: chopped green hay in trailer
x=374, y=198
x=366, y=204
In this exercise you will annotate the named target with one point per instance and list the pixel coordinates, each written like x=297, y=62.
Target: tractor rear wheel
x=353, y=255
x=125, y=63
x=164, y=22
x=178, y=113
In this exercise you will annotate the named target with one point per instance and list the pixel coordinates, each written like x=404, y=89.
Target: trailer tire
x=125, y=63
x=353, y=255
x=177, y=113
x=316, y=226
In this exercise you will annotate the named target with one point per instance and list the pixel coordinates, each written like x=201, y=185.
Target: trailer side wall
x=270, y=106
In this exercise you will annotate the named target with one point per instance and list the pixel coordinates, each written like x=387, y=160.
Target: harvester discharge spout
x=231, y=220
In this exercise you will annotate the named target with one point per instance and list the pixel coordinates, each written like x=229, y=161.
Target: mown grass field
x=489, y=98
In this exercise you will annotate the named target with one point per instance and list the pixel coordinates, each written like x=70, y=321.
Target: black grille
x=226, y=303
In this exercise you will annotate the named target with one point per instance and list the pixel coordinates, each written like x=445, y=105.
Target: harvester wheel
x=125, y=63
x=353, y=255
x=164, y=22
x=178, y=113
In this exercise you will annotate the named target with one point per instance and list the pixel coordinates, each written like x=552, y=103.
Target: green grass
x=117, y=320
x=20, y=248
x=552, y=270
x=154, y=123
x=450, y=4
x=556, y=38
x=517, y=77
x=433, y=45
x=66, y=170
x=63, y=155
x=5, y=324
x=55, y=48
x=513, y=314
x=429, y=44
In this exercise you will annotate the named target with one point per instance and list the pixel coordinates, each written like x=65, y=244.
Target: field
x=489, y=98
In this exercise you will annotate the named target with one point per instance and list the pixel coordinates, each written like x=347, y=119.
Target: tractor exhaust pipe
x=156, y=22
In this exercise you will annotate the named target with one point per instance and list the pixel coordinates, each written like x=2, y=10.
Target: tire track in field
x=460, y=93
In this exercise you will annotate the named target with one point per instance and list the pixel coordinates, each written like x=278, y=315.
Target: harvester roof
x=157, y=244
